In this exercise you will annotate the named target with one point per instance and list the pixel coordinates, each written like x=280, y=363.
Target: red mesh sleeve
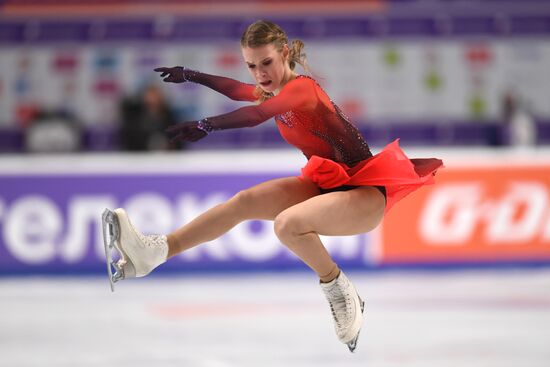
x=231, y=88
x=298, y=94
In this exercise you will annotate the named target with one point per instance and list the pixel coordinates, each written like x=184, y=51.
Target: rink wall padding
x=493, y=210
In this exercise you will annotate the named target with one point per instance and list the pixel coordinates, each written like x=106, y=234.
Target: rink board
x=488, y=211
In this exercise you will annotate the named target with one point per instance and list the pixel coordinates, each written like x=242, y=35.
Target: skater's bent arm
x=296, y=94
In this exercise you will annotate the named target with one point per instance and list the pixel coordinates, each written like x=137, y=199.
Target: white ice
x=497, y=318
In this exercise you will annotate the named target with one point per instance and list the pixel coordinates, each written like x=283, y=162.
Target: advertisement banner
x=486, y=213
x=481, y=214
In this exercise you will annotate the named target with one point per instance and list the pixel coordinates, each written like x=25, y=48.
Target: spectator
x=53, y=132
x=144, y=119
x=521, y=127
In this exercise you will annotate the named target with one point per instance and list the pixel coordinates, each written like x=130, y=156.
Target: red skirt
x=390, y=168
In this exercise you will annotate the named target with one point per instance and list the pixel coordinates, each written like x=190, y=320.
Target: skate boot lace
x=152, y=240
x=341, y=306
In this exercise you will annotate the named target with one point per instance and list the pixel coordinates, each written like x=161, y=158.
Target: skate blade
x=353, y=343
x=111, y=234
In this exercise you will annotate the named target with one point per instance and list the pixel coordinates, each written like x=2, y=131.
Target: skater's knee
x=242, y=201
x=288, y=225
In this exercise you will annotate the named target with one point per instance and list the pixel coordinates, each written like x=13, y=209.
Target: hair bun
x=296, y=54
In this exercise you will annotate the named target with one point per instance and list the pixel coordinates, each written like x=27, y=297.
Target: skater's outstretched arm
x=231, y=88
x=298, y=94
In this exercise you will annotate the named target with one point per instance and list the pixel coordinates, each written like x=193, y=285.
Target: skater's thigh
x=336, y=213
x=268, y=199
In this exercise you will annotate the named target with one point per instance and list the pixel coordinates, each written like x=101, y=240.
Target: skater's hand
x=176, y=74
x=186, y=131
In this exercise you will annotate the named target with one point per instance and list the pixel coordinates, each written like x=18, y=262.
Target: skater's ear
x=285, y=51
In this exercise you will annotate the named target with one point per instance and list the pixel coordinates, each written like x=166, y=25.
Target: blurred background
x=458, y=273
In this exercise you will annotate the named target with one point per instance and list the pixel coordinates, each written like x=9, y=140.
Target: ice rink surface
x=497, y=318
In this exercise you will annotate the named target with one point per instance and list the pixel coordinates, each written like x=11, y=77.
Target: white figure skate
x=347, y=309
x=137, y=254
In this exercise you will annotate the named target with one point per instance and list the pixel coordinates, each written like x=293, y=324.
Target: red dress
x=336, y=151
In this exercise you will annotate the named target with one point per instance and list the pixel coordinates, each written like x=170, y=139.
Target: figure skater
x=342, y=190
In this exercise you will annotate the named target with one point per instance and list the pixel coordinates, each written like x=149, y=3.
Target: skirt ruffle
x=390, y=168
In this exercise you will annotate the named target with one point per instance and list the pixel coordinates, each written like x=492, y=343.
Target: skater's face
x=268, y=66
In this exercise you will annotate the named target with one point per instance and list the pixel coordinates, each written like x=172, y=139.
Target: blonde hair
x=263, y=32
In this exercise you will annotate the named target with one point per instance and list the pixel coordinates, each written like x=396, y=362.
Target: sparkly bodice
x=322, y=129
x=305, y=115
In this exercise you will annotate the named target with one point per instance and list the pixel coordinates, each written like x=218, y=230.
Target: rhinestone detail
x=331, y=126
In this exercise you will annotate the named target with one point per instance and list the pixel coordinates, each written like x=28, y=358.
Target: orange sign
x=473, y=214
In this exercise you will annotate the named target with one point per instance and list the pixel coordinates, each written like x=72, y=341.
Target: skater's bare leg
x=333, y=214
x=263, y=201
